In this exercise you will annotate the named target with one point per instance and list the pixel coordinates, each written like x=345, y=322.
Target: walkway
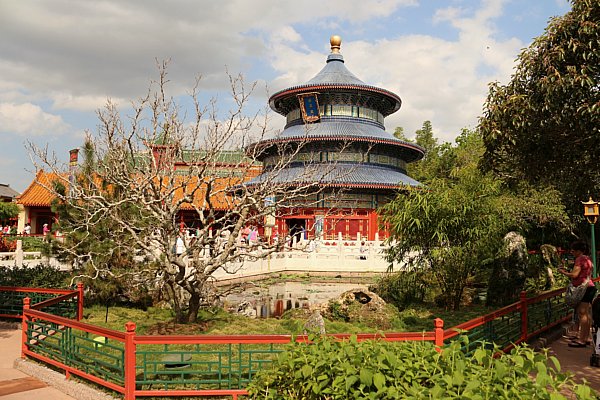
x=577, y=361
x=15, y=385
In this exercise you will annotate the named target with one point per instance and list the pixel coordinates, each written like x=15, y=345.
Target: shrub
x=40, y=276
x=6, y=245
x=30, y=243
x=403, y=288
x=330, y=369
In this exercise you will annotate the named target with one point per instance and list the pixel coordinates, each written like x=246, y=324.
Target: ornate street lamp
x=590, y=210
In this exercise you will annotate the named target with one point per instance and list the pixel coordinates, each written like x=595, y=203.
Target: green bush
x=40, y=276
x=30, y=243
x=330, y=369
x=403, y=288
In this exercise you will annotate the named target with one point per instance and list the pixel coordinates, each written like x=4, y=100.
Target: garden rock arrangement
x=359, y=305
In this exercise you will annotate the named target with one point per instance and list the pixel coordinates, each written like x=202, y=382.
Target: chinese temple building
x=335, y=123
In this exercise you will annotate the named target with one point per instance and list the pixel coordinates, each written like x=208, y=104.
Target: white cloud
x=74, y=55
x=81, y=103
x=75, y=52
x=444, y=81
x=30, y=120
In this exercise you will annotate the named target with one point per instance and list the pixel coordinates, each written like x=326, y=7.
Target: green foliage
x=543, y=125
x=30, y=243
x=40, y=276
x=449, y=229
x=543, y=272
x=399, y=134
x=99, y=248
x=8, y=210
x=329, y=369
x=455, y=227
x=403, y=288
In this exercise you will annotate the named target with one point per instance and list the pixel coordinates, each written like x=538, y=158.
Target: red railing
x=525, y=319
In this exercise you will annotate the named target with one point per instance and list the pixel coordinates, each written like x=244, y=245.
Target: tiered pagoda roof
x=350, y=111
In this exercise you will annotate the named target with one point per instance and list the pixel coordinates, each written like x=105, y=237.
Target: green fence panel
x=546, y=312
x=11, y=303
x=502, y=331
x=95, y=355
x=202, y=366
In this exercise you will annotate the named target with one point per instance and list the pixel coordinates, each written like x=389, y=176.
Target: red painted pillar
x=130, y=361
x=26, y=305
x=524, y=317
x=80, y=301
x=438, y=323
x=372, y=225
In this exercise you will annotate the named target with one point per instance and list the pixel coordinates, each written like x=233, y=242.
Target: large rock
x=509, y=271
x=359, y=305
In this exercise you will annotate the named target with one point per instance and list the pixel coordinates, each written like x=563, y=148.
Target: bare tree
x=142, y=177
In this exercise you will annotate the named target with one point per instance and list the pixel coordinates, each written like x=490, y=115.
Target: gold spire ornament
x=335, y=42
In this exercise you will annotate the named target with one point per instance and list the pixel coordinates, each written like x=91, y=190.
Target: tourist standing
x=580, y=274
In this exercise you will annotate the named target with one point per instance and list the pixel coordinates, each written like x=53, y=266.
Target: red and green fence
x=62, y=302
x=160, y=366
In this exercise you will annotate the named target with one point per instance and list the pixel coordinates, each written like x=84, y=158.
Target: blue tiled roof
x=342, y=174
x=335, y=77
x=335, y=72
x=346, y=127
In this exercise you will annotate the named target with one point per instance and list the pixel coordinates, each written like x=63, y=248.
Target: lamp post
x=590, y=210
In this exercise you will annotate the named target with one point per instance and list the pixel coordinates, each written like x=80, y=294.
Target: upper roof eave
x=307, y=88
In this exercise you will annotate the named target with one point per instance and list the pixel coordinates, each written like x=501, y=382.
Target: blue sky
x=61, y=60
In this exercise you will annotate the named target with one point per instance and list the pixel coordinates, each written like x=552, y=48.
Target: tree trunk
x=172, y=289
x=194, y=307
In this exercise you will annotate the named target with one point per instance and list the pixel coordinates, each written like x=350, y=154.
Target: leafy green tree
x=101, y=253
x=543, y=126
x=424, y=138
x=399, y=134
x=8, y=210
x=450, y=228
x=458, y=221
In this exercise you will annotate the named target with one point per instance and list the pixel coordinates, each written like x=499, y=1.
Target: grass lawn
x=160, y=321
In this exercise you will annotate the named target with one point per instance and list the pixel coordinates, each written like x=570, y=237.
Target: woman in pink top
x=582, y=271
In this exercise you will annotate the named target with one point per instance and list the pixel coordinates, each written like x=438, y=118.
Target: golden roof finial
x=335, y=41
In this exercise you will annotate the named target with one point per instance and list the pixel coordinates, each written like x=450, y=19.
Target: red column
x=130, y=361
x=372, y=225
x=438, y=323
x=26, y=305
x=80, y=301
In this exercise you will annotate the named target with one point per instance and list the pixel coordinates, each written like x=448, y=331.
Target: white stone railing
x=335, y=256
x=341, y=256
x=20, y=258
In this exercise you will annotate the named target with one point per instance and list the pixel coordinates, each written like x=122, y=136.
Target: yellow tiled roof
x=36, y=195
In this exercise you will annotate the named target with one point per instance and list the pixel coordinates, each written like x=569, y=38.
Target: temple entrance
x=296, y=228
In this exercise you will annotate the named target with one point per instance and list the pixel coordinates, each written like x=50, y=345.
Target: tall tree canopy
x=543, y=126
x=458, y=221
